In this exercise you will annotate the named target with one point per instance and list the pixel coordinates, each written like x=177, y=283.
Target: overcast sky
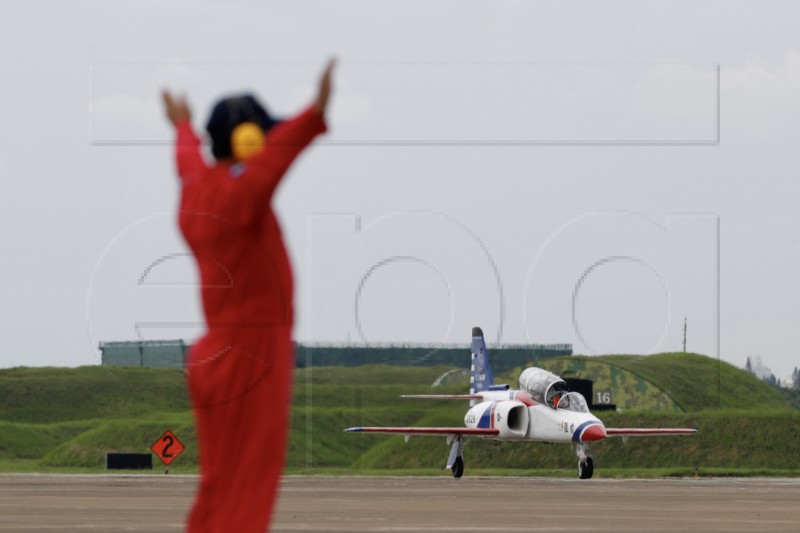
x=590, y=173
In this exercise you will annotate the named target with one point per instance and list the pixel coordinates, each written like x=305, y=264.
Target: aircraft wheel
x=586, y=468
x=458, y=467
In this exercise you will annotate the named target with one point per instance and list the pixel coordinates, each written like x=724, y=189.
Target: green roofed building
x=153, y=354
x=173, y=354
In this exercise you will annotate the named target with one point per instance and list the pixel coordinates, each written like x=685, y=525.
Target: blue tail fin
x=481, y=377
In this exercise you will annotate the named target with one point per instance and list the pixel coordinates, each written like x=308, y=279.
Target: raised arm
x=285, y=141
x=190, y=161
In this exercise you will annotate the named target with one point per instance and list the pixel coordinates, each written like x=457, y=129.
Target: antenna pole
x=684, y=334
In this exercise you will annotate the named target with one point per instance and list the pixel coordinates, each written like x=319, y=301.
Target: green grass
x=66, y=420
x=691, y=380
x=89, y=449
x=372, y=374
x=694, y=382
x=32, y=441
x=607, y=473
x=43, y=395
x=726, y=440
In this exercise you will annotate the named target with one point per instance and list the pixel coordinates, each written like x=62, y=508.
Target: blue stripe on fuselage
x=486, y=417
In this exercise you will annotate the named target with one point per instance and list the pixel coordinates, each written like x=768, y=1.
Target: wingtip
x=352, y=430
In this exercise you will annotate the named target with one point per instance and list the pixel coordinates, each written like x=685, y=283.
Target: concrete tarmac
x=99, y=503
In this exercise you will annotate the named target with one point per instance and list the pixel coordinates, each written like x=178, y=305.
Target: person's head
x=237, y=126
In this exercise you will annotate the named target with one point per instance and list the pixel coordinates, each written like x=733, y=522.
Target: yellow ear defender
x=247, y=139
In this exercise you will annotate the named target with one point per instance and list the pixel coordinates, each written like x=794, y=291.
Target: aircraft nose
x=593, y=433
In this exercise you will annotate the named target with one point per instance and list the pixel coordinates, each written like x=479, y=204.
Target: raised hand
x=177, y=109
x=324, y=92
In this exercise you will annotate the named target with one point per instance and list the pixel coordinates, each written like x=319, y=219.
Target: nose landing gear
x=585, y=460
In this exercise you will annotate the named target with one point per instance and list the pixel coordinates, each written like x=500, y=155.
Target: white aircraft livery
x=543, y=409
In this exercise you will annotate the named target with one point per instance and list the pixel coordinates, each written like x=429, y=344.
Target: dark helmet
x=229, y=113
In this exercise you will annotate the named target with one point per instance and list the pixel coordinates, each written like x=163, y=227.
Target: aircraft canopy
x=573, y=401
x=543, y=386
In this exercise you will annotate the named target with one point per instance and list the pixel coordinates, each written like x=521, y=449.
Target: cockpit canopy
x=543, y=386
x=573, y=401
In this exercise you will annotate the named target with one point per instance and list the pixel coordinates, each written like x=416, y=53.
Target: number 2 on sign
x=167, y=447
x=170, y=441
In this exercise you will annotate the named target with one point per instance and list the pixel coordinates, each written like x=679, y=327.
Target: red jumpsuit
x=240, y=371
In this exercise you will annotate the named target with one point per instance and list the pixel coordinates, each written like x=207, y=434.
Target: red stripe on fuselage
x=525, y=398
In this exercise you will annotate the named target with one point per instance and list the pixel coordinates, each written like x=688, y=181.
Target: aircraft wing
x=647, y=432
x=444, y=431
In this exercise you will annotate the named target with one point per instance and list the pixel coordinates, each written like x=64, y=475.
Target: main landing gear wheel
x=458, y=467
x=586, y=468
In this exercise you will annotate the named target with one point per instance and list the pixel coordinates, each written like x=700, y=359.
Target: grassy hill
x=67, y=419
x=697, y=382
x=51, y=417
x=40, y=395
x=690, y=382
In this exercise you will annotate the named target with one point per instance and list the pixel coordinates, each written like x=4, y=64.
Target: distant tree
x=771, y=380
x=748, y=366
x=796, y=378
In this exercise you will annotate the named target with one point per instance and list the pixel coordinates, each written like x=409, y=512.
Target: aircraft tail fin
x=481, y=377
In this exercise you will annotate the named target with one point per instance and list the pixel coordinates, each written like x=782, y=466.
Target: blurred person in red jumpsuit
x=239, y=373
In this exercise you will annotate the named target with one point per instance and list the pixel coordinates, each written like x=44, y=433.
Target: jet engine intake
x=510, y=417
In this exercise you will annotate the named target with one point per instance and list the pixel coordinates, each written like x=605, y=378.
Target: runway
x=98, y=503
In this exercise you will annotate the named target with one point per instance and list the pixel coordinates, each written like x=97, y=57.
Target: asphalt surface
x=98, y=503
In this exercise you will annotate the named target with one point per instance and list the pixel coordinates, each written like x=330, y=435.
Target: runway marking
x=10, y=526
x=398, y=529
x=67, y=503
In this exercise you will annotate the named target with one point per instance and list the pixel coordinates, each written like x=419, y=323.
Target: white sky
x=549, y=171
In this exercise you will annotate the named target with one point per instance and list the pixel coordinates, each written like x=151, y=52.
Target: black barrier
x=586, y=388
x=129, y=461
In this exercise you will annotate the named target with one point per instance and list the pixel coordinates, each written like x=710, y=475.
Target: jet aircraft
x=543, y=409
